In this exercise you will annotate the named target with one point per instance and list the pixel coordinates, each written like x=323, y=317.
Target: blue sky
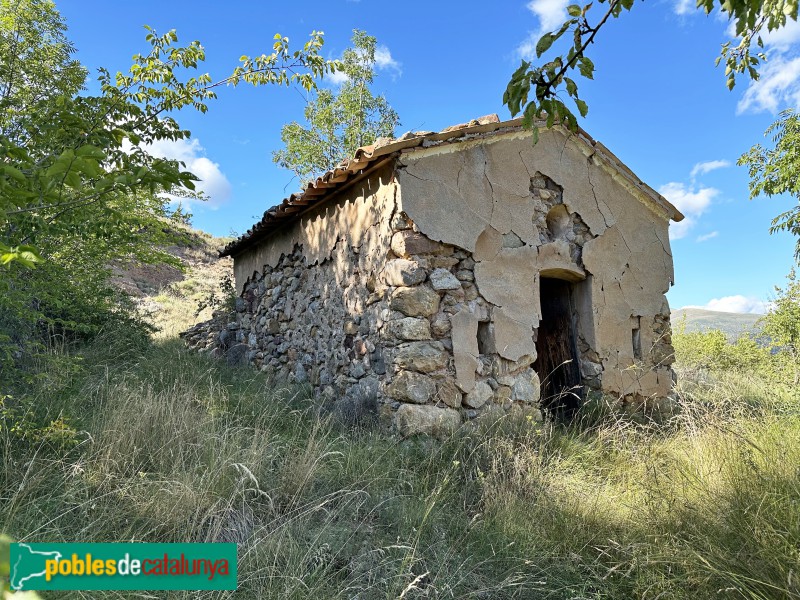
x=657, y=102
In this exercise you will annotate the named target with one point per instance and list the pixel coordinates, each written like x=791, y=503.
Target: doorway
x=557, y=351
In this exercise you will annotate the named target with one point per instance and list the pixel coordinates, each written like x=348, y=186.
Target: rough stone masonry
x=443, y=276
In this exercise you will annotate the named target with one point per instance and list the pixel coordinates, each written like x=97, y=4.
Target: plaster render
x=476, y=194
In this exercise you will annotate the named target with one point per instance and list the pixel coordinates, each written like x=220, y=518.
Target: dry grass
x=142, y=440
x=173, y=447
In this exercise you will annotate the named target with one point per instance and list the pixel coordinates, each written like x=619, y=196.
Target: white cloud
x=778, y=86
x=707, y=236
x=551, y=14
x=736, y=304
x=212, y=182
x=385, y=61
x=684, y=7
x=337, y=78
x=706, y=167
x=690, y=201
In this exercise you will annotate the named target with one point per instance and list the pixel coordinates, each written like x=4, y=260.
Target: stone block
x=479, y=395
x=412, y=387
x=423, y=357
x=419, y=301
x=447, y=392
x=442, y=279
x=527, y=387
x=427, y=420
x=409, y=328
x=407, y=243
x=440, y=325
x=402, y=272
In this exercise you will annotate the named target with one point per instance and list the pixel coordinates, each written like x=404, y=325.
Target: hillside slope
x=170, y=298
x=732, y=324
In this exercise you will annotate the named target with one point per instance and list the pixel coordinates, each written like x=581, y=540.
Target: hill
x=732, y=324
x=171, y=298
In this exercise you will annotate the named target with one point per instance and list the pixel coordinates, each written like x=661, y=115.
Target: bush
x=711, y=350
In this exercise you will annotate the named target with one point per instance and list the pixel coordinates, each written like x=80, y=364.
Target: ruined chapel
x=439, y=277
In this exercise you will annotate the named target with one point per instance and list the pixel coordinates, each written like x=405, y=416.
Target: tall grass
x=156, y=443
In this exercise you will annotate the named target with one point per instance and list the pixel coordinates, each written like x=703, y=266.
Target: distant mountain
x=732, y=324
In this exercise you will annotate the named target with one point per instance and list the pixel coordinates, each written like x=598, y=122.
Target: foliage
x=78, y=165
x=36, y=64
x=775, y=171
x=79, y=188
x=224, y=298
x=782, y=325
x=534, y=90
x=339, y=121
x=774, y=354
x=711, y=350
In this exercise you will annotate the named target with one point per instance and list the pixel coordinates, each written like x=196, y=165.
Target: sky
x=657, y=102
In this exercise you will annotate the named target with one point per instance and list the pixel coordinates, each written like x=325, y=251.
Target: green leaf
x=544, y=43
x=586, y=67
x=89, y=151
x=583, y=108
x=572, y=87
x=573, y=10
x=14, y=173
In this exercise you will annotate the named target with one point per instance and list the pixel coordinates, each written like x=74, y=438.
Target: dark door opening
x=557, y=351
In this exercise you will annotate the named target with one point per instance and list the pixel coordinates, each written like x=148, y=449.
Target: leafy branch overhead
x=774, y=171
x=546, y=81
x=75, y=164
x=538, y=91
x=80, y=192
x=341, y=120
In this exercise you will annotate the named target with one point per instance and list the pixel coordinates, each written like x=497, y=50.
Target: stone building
x=440, y=276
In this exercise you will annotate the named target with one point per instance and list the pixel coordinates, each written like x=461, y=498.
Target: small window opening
x=486, y=338
x=636, y=338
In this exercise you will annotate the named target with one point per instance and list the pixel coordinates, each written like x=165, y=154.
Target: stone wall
x=413, y=297
x=374, y=343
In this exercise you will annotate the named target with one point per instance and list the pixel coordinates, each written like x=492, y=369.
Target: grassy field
x=149, y=442
x=138, y=439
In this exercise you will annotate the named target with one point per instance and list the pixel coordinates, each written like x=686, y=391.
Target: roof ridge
x=320, y=189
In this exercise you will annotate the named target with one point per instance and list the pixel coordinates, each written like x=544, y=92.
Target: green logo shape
x=122, y=566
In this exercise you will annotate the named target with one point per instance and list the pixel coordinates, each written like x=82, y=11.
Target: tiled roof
x=369, y=157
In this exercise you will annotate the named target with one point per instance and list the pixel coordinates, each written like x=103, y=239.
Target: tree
x=69, y=162
x=36, y=62
x=534, y=90
x=775, y=171
x=341, y=121
x=78, y=187
x=782, y=324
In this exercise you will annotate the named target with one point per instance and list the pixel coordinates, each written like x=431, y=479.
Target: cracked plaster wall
x=476, y=194
x=418, y=286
